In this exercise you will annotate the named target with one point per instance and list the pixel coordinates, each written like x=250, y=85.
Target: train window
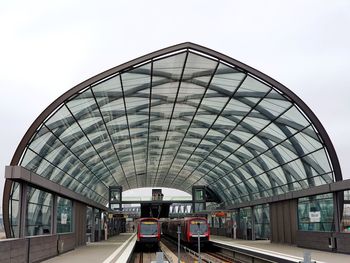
x=197, y=222
x=149, y=228
x=198, y=225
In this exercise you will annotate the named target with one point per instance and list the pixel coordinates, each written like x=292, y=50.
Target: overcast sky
x=47, y=47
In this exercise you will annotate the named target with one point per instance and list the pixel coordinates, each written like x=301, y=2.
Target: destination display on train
x=149, y=223
x=197, y=222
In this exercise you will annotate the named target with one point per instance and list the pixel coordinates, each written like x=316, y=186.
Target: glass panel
x=315, y=213
x=199, y=195
x=185, y=116
x=14, y=209
x=226, y=80
x=245, y=223
x=345, y=221
x=254, y=87
x=39, y=205
x=89, y=223
x=262, y=222
x=64, y=215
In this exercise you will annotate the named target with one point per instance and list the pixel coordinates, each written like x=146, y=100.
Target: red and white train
x=148, y=230
x=190, y=228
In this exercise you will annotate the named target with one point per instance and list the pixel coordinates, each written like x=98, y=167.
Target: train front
x=198, y=227
x=148, y=230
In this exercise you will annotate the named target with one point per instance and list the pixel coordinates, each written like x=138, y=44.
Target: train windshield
x=149, y=227
x=198, y=225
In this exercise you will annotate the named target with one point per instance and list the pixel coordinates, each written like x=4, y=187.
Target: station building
x=252, y=154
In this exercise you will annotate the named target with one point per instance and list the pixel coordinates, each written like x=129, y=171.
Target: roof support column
x=253, y=222
x=338, y=204
x=54, y=214
x=23, y=209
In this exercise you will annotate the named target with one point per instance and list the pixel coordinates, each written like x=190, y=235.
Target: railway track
x=145, y=254
x=208, y=255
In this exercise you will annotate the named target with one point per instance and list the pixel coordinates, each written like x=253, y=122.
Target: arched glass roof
x=179, y=117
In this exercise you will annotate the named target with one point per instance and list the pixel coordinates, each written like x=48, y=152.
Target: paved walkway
x=319, y=256
x=97, y=252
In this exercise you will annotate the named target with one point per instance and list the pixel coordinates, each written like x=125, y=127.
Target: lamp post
x=199, y=243
x=178, y=243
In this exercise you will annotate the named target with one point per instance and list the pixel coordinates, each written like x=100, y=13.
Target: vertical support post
x=54, y=214
x=253, y=222
x=74, y=216
x=23, y=211
x=338, y=204
x=336, y=211
x=178, y=243
x=99, y=225
x=238, y=223
x=93, y=225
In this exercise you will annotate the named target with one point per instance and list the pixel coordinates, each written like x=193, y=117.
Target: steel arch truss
x=179, y=117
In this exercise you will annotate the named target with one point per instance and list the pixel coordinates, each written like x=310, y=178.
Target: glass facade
x=345, y=222
x=199, y=207
x=179, y=120
x=245, y=223
x=199, y=195
x=316, y=213
x=98, y=225
x=89, y=223
x=14, y=209
x=64, y=215
x=262, y=221
x=39, y=212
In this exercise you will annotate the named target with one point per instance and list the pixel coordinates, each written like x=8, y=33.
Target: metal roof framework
x=178, y=117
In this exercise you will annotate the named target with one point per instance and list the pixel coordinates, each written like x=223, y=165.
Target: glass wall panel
x=39, y=204
x=262, y=221
x=89, y=222
x=198, y=207
x=345, y=223
x=245, y=223
x=14, y=209
x=199, y=195
x=97, y=219
x=64, y=215
x=315, y=213
x=216, y=222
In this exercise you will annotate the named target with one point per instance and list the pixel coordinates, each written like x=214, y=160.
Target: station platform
x=283, y=251
x=119, y=248
x=115, y=249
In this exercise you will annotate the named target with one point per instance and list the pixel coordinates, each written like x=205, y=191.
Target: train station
x=263, y=177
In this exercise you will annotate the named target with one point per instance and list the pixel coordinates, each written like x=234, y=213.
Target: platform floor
x=109, y=250
x=273, y=248
x=97, y=252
